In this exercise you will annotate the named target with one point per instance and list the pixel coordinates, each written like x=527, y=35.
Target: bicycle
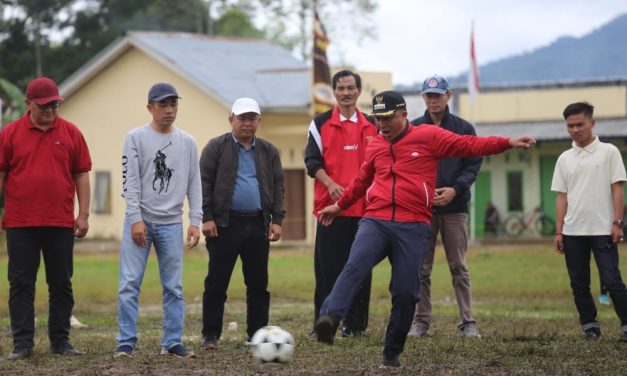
x=515, y=224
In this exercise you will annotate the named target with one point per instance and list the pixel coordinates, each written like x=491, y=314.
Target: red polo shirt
x=39, y=172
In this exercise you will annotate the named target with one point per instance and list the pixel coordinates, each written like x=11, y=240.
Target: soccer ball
x=272, y=344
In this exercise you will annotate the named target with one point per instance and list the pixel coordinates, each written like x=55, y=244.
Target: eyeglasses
x=52, y=105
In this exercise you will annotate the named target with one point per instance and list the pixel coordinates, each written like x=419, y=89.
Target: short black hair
x=346, y=73
x=579, y=108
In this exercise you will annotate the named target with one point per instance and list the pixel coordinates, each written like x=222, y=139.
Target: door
x=547, y=197
x=483, y=194
x=294, y=224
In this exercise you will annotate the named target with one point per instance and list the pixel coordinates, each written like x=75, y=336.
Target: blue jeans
x=577, y=251
x=168, y=242
x=404, y=244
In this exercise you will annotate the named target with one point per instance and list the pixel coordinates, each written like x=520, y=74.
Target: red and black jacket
x=398, y=177
x=338, y=147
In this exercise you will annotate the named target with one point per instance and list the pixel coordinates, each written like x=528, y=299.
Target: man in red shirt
x=335, y=149
x=44, y=160
x=398, y=176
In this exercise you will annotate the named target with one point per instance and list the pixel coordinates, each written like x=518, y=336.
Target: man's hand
x=275, y=232
x=193, y=235
x=328, y=214
x=524, y=142
x=558, y=241
x=617, y=234
x=81, y=226
x=210, y=229
x=443, y=196
x=138, y=233
x=335, y=191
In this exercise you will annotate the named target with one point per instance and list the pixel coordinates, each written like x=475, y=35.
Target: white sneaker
x=417, y=330
x=470, y=330
x=74, y=323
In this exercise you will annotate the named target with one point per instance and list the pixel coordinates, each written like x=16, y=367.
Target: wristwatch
x=618, y=222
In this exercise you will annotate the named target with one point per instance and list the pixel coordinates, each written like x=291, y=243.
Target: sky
x=418, y=38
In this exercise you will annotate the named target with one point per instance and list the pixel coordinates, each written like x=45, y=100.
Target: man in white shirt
x=588, y=179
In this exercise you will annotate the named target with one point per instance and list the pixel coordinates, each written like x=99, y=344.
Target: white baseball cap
x=244, y=105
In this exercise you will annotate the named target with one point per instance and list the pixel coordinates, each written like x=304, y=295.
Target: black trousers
x=25, y=245
x=333, y=244
x=247, y=238
x=577, y=250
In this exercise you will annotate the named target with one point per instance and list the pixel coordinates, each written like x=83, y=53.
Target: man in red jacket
x=398, y=178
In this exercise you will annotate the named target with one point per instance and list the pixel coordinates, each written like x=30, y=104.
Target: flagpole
x=473, y=92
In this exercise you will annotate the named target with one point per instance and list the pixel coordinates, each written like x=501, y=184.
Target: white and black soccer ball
x=272, y=344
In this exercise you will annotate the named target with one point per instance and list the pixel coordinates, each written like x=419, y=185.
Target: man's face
x=392, y=126
x=45, y=114
x=164, y=111
x=245, y=125
x=346, y=91
x=580, y=129
x=436, y=103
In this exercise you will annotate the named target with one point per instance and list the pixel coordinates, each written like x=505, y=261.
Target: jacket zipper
x=393, y=183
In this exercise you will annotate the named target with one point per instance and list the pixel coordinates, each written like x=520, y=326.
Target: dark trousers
x=577, y=254
x=333, y=244
x=245, y=236
x=404, y=244
x=25, y=245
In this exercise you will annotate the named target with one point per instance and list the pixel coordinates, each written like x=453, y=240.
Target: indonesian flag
x=322, y=90
x=473, y=72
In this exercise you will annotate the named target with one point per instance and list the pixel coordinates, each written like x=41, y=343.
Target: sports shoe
x=75, y=324
x=210, y=343
x=604, y=299
x=123, y=351
x=325, y=329
x=623, y=337
x=592, y=333
x=347, y=332
x=18, y=354
x=248, y=341
x=179, y=351
x=65, y=350
x=417, y=330
x=313, y=336
x=470, y=330
x=390, y=360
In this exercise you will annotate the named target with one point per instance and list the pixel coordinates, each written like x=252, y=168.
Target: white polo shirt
x=586, y=175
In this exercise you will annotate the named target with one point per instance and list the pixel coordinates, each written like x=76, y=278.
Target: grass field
x=522, y=303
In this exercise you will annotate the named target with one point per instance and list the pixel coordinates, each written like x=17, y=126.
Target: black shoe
x=390, y=360
x=347, y=332
x=65, y=350
x=592, y=333
x=325, y=329
x=623, y=337
x=210, y=343
x=18, y=354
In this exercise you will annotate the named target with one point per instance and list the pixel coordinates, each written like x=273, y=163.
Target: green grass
x=521, y=300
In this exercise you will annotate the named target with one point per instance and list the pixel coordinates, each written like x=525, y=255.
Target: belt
x=245, y=215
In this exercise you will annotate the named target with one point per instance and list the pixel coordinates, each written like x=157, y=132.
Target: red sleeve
x=5, y=150
x=82, y=158
x=449, y=144
x=361, y=183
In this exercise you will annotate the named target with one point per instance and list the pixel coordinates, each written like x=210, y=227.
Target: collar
x=252, y=145
x=402, y=134
x=353, y=117
x=444, y=117
x=591, y=147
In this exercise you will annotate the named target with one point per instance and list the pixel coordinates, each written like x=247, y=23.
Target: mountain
x=599, y=54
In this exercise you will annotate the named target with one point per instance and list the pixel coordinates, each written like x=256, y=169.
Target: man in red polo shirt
x=43, y=160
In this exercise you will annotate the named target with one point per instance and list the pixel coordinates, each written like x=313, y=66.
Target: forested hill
x=599, y=54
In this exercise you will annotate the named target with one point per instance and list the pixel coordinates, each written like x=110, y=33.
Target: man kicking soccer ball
x=398, y=174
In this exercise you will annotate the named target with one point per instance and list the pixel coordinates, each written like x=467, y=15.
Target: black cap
x=387, y=102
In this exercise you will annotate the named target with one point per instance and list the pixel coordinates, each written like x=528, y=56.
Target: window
x=102, y=193
x=514, y=191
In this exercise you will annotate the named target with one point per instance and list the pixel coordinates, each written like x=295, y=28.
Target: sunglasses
x=52, y=105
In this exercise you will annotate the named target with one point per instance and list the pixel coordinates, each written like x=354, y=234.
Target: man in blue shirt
x=242, y=189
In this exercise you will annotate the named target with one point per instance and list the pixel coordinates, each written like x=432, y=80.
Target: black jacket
x=459, y=173
x=219, y=163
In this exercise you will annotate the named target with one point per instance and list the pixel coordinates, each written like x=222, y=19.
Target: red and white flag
x=473, y=72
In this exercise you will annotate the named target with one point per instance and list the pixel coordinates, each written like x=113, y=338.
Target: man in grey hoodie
x=159, y=169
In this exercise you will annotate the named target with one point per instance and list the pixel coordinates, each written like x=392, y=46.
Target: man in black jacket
x=450, y=212
x=242, y=190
